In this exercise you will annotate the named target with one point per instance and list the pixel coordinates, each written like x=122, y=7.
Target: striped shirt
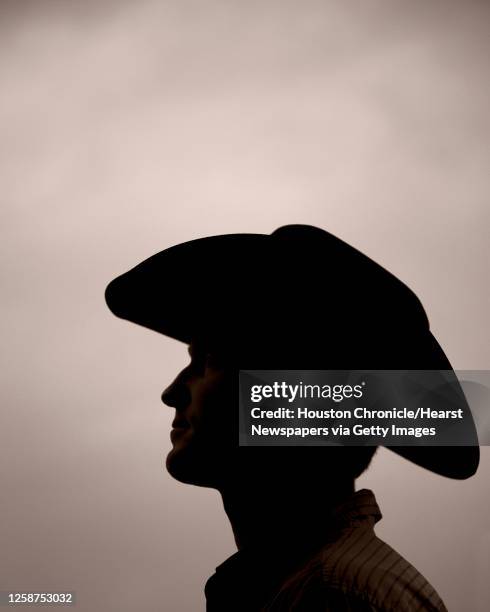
x=355, y=571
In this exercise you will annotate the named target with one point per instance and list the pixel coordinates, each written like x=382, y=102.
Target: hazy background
x=129, y=127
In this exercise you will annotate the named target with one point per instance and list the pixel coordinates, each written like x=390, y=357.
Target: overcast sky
x=129, y=127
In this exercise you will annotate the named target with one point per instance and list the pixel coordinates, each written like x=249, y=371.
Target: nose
x=176, y=395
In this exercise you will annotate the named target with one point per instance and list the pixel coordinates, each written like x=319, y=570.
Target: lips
x=177, y=433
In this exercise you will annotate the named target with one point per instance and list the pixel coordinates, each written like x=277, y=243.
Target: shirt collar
x=360, y=509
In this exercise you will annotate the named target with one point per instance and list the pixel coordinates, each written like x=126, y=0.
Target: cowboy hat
x=291, y=296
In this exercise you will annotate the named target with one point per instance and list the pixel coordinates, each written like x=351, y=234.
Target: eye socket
x=200, y=362
x=213, y=360
x=203, y=357
x=196, y=364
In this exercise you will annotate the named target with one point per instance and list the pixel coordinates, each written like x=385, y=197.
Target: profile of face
x=204, y=430
x=204, y=435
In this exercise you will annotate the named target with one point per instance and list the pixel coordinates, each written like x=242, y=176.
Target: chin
x=189, y=469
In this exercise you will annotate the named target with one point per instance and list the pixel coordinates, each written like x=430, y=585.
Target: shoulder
x=359, y=573
x=316, y=596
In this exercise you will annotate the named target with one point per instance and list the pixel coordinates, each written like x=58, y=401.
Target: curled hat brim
x=239, y=287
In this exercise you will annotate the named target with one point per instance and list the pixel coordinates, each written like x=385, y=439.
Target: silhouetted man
x=299, y=298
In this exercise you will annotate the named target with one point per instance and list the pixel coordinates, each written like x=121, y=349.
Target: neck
x=293, y=514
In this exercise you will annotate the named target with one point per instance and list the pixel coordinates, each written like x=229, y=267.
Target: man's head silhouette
x=298, y=299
